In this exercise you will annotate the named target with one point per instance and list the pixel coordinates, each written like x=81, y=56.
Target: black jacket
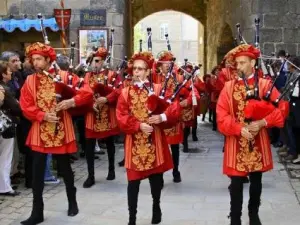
x=12, y=109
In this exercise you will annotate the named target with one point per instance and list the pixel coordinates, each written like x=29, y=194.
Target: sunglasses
x=138, y=68
x=97, y=60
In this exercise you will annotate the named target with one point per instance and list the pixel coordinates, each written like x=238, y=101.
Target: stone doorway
x=185, y=34
x=139, y=9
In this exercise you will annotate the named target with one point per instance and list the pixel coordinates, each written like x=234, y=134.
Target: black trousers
x=275, y=132
x=236, y=195
x=194, y=128
x=22, y=133
x=175, y=156
x=80, y=124
x=214, y=119
x=186, y=133
x=296, y=132
x=90, y=154
x=156, y=184
x=38, y=172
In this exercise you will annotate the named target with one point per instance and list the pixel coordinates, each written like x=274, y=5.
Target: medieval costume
x=101, y=123
x=243, y=157
x=38, y=101
x=175, y=134
x=147, y=155
x=190, y=111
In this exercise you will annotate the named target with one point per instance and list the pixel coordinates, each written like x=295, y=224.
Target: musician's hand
x=156, y=119
x=65, y=104
x=256, y=126
x=246, y=134
x=184, y=103
x=146, y=128
x=51, y=117
x=101, y=100
x=2, y=91
x=96, y=107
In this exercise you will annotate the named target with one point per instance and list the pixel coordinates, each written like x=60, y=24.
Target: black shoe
x=195, y=138
x=96, y=157
x=156, y=215
x=185, y=150
x=176, y=177
x=90, y=181
x=111, y=175
x=254, y=219
x=73, y=209
x=33, y=220
x=121, y=163
x=10, y=193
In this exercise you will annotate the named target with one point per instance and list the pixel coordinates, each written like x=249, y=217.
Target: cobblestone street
x=201, y=199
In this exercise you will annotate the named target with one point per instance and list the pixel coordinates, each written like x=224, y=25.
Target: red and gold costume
x=142, y=157
x=38, y=96
x=238, y=159
x=189, y=113
x=103, y=124
x=175, y=134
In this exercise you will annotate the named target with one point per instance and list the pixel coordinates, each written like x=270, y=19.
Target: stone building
x=279, y=21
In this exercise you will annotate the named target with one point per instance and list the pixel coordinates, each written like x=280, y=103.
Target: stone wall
x=115, y=15
x=279, y=28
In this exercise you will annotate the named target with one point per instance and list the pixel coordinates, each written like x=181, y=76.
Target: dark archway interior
x=226, y=43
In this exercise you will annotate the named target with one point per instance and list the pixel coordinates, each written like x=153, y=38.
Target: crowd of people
x=153, y=104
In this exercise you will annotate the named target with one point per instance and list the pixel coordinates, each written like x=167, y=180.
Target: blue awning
x=26, y=24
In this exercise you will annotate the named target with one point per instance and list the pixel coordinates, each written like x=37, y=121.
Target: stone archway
x=139, y=9
x=226, y=43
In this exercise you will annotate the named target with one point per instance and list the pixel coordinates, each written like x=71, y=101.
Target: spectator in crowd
x=10, y=107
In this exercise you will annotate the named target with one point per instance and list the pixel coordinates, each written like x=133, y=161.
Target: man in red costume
x=175, y=134
x=189, y=109
x=101, y=123
x=147, y=152
x=52, y=128
x=247, y=145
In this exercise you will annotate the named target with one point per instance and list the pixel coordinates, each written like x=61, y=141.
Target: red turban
x=40, y=49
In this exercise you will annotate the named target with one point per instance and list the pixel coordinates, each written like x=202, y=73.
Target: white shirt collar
x=251, y=76
x=139, y=83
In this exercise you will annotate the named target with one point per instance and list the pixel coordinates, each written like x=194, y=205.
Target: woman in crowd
x=10, y=108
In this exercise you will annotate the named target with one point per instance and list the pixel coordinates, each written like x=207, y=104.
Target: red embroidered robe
x=37, y=98
x=142, y=157
x=102, y=124
x=175, y=134
x=238, y=160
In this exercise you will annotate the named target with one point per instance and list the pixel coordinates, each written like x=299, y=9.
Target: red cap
x=241, y=50
x=101, y=52
x=147, y=57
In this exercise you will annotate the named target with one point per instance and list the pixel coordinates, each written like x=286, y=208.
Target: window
x=164, y=29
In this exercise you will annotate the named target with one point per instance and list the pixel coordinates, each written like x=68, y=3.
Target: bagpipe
x=158, y=104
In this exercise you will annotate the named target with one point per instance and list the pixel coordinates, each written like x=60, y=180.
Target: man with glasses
x=101, y=123
x=147, y=153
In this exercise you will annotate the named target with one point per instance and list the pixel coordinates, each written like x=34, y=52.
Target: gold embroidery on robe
x=46, y=101
x=143, y=151
x=246, y=161
x=102, y=117
x=187, y=114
